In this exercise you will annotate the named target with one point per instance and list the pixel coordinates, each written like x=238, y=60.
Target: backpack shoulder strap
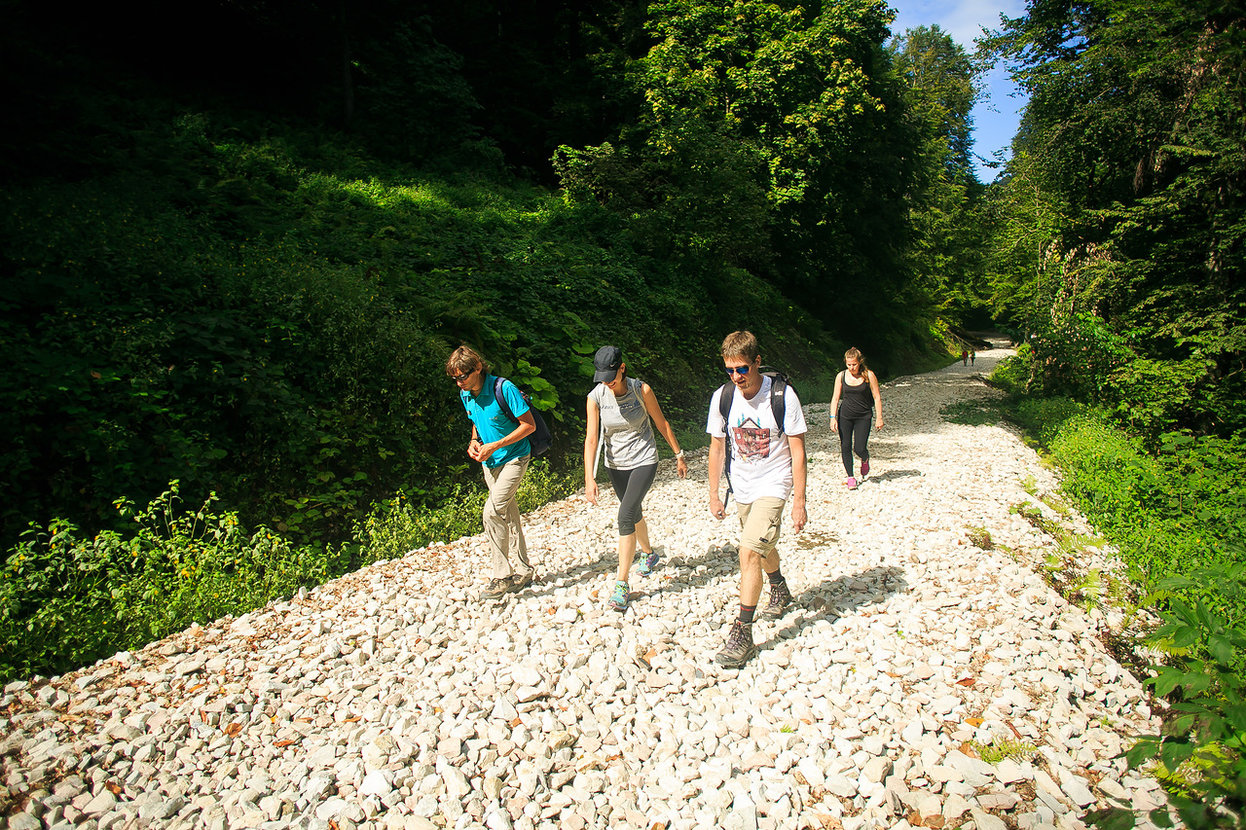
x=501, y=398
x=726, y=393
x=778, y=400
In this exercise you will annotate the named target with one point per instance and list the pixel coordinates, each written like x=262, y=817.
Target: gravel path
x=391, y=698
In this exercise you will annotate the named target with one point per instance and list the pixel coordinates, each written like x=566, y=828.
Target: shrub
x=1106, y=470
x=67, y=599
x=397, y=526
x=1200, y=753
x=1012, y=374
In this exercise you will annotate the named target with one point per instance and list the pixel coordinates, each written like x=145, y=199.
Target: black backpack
x=778, y=405
x=540, y=440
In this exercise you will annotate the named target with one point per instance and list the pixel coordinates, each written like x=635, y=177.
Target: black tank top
x=855, y=401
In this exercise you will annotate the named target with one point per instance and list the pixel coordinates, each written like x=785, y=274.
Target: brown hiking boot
x=780, y=600
x=739, y=647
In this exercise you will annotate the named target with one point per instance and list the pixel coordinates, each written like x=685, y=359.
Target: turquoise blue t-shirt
x=491, y=421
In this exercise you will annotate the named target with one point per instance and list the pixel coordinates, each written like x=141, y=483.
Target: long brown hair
x=856, y=355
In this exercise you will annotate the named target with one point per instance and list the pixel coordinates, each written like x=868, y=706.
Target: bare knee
x=749, y=559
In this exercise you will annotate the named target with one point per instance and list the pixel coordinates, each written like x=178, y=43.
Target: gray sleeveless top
x=630, y=442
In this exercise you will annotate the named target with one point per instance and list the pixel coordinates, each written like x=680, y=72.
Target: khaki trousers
x=501, y=518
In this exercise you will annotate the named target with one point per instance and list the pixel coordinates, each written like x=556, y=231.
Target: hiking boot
x=780, y=599
x=618, y=600
x=649, y=562
x=521, y=581
x=496, y=588
x=865, y=467
x=851, y=482
x=739, y=647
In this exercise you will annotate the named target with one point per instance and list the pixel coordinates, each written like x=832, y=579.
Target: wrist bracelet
x=679, y=454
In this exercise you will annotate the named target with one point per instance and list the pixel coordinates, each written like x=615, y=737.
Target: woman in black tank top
x=856, y=398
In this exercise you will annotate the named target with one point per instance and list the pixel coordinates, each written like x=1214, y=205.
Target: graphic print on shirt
x=751, y=439
x=629, y=407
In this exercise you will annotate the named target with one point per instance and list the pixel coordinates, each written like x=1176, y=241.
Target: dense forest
x=237, y=250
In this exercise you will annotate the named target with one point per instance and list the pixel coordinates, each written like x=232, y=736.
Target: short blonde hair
x=741, y=344
x=463, y=360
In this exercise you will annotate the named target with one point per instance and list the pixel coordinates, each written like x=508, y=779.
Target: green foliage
x=1012, y=374
x=397, y=526
x=1201, y=752
x=261, y=309
x=1044, y=417
x=1117, y=227
x=69, y=597
x=247, y=322
x=1178, y=516
x=413, y=99
x=773, y=138
x=997, y=751
x=947, y=246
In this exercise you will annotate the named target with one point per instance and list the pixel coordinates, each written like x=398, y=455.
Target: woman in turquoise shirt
x=501, y=445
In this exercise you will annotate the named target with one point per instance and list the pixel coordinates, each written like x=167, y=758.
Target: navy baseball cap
x=607, y=362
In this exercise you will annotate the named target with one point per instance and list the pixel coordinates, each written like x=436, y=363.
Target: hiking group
x=757, y=439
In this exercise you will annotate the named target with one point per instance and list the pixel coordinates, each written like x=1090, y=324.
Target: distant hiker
x=973, y=357
x=767, y=468
x=622, y=414
x=500, y=443
x=964, y=357
x=856, y=398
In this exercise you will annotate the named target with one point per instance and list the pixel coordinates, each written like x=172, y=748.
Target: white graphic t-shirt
x=761, y=461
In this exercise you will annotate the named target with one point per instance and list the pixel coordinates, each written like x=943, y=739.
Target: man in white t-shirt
x=767, y=468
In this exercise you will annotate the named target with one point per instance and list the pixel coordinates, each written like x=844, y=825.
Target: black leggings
x=853, y=433
x=631, y=486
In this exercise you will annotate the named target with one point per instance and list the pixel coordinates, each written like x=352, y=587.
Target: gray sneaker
x=780, y=600
x=739, y=647
x=497, y=588
x=520, y=581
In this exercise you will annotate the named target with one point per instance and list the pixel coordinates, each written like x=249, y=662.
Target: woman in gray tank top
x=622, y=415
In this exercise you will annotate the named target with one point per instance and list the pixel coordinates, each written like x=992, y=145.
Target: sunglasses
x=736, y=370
x=461, y=378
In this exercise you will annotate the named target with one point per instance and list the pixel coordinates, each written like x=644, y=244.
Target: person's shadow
x=836, y=597
x=893, y=474
x=828, y=600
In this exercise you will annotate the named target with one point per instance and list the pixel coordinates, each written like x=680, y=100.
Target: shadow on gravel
x=546, y=583
x=836, y=597
x=893, y=474
x=604, y=566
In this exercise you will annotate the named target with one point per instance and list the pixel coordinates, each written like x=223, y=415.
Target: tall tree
x=1135, y=127
x=940, y=82
x=793, y=115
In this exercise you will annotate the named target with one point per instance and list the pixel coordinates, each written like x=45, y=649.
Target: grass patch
x=997, y=751
x=972, y=413
x=980, y=537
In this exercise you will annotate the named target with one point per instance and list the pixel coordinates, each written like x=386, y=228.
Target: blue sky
x=995, y=117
